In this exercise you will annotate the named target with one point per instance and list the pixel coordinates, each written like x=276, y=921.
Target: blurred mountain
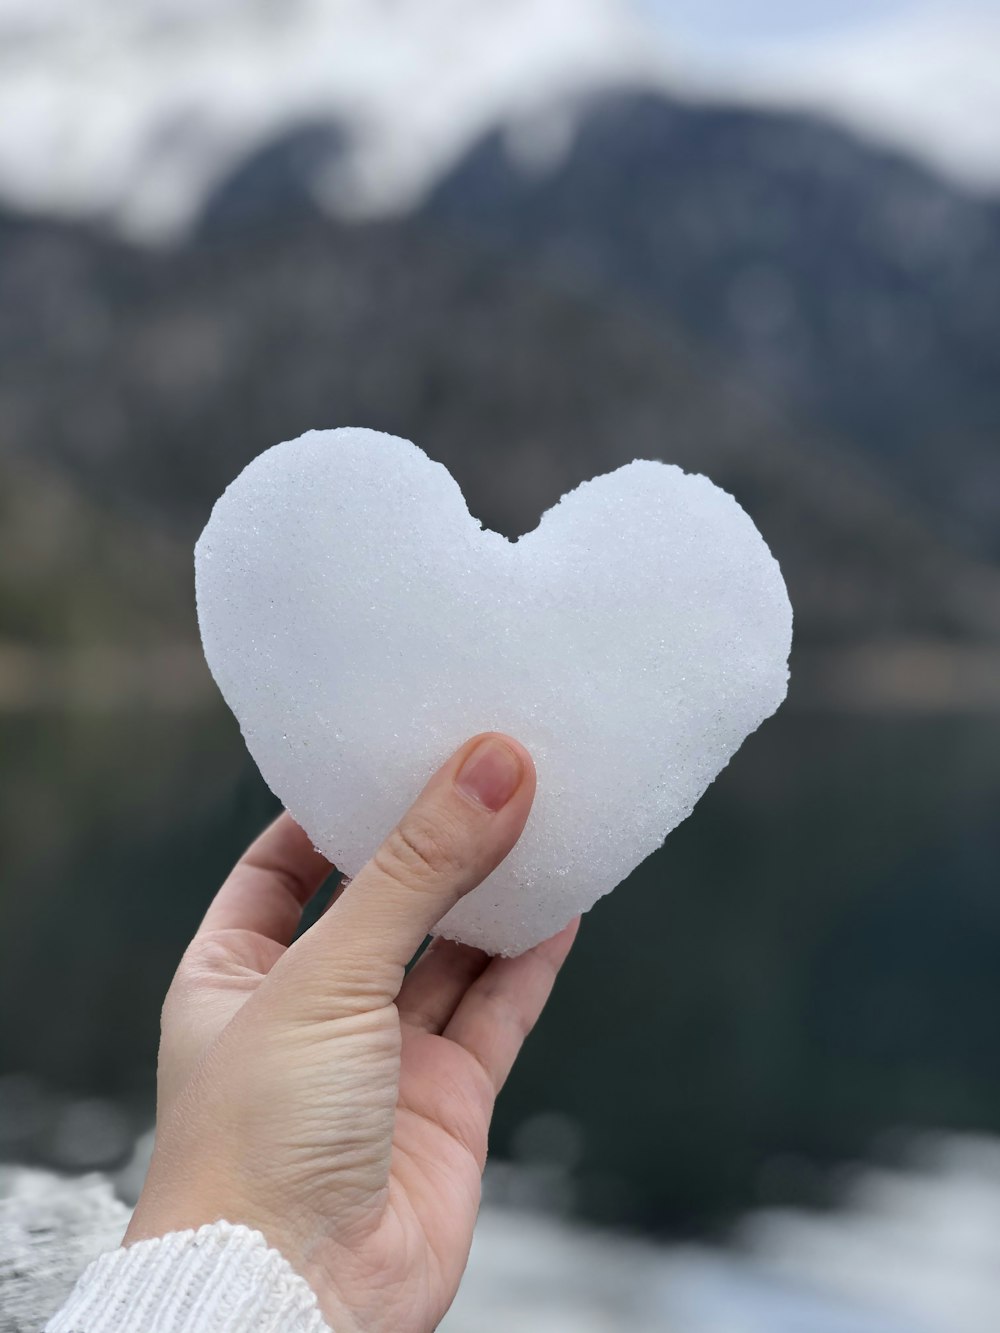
x=760, y=297
x=850, y=285
x=153, y=377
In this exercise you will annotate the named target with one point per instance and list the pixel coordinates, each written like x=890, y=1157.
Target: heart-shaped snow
x=361, y=625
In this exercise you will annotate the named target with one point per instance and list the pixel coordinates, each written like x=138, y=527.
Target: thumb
x=459, y=829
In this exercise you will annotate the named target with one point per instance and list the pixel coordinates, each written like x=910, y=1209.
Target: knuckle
x=205, y=957
x=507, y=1013
x=207, y=952
x=421, y=850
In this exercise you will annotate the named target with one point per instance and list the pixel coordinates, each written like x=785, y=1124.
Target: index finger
x=270, y=885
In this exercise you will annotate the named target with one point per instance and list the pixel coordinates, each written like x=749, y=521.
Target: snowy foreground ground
x=914, y=1251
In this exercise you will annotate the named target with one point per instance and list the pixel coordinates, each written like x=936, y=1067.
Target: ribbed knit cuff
x=222, y=1278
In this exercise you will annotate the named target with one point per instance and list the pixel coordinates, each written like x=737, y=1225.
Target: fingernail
x=491, y=774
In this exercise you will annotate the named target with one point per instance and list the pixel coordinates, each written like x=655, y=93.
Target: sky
x=919, y=75
x=742, y=24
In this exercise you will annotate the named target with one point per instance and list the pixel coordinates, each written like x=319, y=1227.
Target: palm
x=419, y=1245
x=428, y=1066
x=443, y=1111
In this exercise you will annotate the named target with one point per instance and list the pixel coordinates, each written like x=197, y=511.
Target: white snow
x=916, y=1250
x=362, y=625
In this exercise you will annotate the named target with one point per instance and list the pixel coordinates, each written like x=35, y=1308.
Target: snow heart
x=361, y=624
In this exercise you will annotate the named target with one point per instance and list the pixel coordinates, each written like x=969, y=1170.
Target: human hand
x=309, y=1091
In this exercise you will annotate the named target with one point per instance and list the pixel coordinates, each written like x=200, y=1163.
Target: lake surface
x=810, y=962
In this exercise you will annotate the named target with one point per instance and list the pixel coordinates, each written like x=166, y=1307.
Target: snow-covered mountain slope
x=137, y=110
x=133, y=109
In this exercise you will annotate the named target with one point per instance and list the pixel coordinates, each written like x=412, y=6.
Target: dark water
x=812, y=960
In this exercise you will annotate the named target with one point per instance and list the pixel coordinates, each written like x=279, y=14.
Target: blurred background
x=541, y=238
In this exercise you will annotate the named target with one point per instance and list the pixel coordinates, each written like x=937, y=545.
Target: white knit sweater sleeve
x=61, y=1261
x=219, y=1279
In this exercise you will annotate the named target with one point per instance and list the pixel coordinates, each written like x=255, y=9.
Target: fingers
x=432, y=990
x=270, y=885
x=503, y=1005
x=458, y=830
